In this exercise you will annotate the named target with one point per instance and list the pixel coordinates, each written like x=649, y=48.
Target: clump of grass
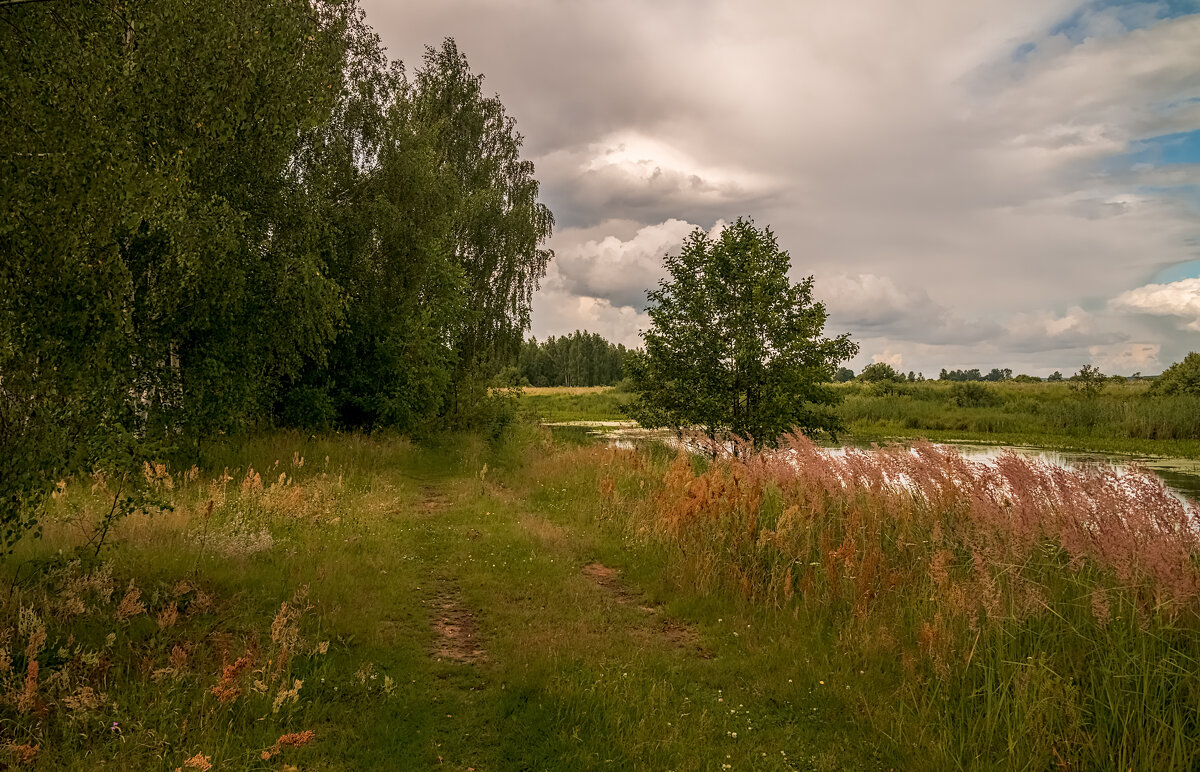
x=1039, y=615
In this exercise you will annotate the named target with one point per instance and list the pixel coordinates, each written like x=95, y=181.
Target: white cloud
x=1045, y=331
x=619, y=270
x=558, y=313
x=1128, y=358
x=893, y=358
x=1180, y=299
x=937, y=165
x=869, y=304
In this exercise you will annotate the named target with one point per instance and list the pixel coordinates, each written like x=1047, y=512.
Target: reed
x=1041, y=617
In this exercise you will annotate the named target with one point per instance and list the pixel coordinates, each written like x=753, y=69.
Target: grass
x=1122, y=419
x=1023, y=616
x=553, y=404
x=174, y=649
x=351, y=602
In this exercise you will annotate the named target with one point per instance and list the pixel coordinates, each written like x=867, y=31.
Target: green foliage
x=1123, y=418
x=498, y=225
x=1088, y=382
x=1180, y=378
x=843, y=375
x=960, y=375
x=579, y=359
x=974, y=395
x=735, y=346
x=221, y=215
x=880, y=371
x=1055, y=376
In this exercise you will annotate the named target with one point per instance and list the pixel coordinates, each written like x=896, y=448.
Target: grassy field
x=552, y=404
x=1122, y=419
x=346, y=602
x=364, y=603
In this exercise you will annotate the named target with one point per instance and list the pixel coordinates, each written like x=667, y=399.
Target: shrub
x=1180, y=378
x=309, y=407
x=972, y=394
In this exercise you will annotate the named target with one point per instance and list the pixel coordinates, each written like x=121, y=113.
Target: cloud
x=629, y=174
x=977, y=161
x=618, y=270
x=869, y=304
x=1127, y=358
x=893, y=358
x=1179, y=299
x=557, y=313
x=1046, y=331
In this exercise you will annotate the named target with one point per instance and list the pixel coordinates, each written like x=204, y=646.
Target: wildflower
x=200, y=762
x=130, y=605
x=24, y=754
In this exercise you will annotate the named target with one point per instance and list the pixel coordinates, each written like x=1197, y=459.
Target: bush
x=1180, y=378
x=972, y=394
x=309, y=407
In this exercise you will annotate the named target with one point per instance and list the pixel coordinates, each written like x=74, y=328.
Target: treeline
x=578, y=359
x=219, y=216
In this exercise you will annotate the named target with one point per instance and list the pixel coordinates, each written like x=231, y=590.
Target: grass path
x=537, y=641
x=475, y=621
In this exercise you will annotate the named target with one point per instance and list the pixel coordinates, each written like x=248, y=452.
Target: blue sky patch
x=1132, y=14
x=1178, y=272
x=1179, y=148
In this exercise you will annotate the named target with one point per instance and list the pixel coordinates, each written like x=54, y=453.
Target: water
x=1180, y=475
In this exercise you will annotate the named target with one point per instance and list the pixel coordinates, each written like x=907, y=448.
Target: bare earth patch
x=455, y=629
x=677, y=633
x=433, y=501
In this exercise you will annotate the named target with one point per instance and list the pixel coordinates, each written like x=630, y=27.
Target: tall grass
x=1039, y=617
x=1120, y=412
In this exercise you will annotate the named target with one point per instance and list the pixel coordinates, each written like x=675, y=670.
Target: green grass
x=1122, y=419
x=382, y=532
x=554, y=404
x=684, y=660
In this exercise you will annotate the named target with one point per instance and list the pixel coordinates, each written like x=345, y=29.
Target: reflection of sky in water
x=1181, y=476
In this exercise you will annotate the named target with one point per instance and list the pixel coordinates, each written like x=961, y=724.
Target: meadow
x=351, y=602
x=1123, y=418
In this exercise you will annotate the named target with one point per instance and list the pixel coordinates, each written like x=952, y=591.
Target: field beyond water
x=1123, y=418
x=351, y=602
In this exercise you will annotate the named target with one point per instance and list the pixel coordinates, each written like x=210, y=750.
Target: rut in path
x=677, y=633
x=456, y=630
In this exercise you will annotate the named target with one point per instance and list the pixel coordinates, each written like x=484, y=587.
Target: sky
x=971, y=184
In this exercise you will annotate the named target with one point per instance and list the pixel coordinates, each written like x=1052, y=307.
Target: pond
x=1182, y=475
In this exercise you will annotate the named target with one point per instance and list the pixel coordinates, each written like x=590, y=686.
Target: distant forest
x=578, y=359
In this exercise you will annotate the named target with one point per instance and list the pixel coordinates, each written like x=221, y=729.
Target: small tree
x=1089, y=381
x=1055, y=376
x=843, y=375
x=880, y=371
x=735, y=346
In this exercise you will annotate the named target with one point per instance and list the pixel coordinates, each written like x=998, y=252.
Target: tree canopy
x=1183, y=377
x=734, y=345
x=880, y=371
x=578, y=359
x=224, y=216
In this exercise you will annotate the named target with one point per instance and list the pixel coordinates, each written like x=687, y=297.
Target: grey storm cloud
x=949, y=172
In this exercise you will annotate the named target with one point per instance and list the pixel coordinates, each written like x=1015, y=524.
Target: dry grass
x=991, y=584
x=550, y=391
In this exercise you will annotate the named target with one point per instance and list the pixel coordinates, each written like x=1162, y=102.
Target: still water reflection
x=1181, y=475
